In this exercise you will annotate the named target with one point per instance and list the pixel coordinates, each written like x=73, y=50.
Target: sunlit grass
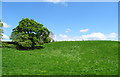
x=63, y=58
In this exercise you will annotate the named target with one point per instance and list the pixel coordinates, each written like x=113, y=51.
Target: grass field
x=63, y=58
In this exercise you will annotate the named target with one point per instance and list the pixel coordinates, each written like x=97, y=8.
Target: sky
x=60, y=0
x=69, y=21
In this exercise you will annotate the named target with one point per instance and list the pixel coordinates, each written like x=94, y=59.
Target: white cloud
x=68, y=30
x=100, y=36
x=112, y=35
x=5, y=36
x=5, y=25
x=63, y=36
x=54, y=1
x=84, y=30
x=92, y=36
x=63, y=2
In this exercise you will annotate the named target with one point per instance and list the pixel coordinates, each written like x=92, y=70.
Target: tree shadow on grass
x=23, y=48
x=27, y=48
x=39, y=47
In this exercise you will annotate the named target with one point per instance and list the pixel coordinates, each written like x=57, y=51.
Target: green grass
x=63, y=58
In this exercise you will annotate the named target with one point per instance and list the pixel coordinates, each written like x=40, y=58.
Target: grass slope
x=63, y=58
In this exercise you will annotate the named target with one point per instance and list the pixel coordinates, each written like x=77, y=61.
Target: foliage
x=63, y=58
x=1, y=30
x=5, y=44
x=29, y=33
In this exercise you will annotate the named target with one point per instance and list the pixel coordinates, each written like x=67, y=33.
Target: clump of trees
x=30, y=33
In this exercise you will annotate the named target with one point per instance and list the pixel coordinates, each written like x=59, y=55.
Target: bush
x=4, y=44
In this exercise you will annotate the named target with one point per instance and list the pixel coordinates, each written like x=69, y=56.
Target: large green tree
x=29, y=33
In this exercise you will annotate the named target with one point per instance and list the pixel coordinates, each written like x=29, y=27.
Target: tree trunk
x=33, y=44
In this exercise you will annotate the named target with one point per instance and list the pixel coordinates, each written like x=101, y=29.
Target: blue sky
x=68, y=20
x=60, y=0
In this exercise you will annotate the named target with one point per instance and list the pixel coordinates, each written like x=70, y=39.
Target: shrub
x=4, y=44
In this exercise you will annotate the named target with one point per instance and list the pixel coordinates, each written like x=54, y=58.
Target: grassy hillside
x=63, y=58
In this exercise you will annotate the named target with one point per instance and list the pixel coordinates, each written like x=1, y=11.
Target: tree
x=29, y=33
x=1, y=30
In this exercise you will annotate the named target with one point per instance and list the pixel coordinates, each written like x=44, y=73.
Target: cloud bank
x=92, y=36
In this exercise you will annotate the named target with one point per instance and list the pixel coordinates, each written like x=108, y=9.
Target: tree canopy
x=1, y=30
x=29, y=33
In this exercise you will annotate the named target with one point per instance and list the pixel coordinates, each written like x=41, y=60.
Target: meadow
x=63, y=58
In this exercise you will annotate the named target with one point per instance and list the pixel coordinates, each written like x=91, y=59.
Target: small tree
x=1, y=30
x=29, y=33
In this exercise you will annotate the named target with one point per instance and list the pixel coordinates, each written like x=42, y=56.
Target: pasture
x=63, y=58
